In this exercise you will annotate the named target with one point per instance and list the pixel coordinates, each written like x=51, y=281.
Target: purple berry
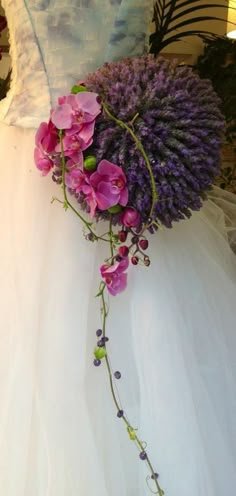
x=120, y=413
x=97, y=362
x=143, y=455
x=100, y=343
x=155, y=476
x=99, y=332
x=117, y=374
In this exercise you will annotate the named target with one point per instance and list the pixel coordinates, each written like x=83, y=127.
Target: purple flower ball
x=176, y=117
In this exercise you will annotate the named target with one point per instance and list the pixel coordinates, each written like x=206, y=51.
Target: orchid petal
x=62, y=116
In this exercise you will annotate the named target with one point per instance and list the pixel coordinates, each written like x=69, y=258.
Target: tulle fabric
x=172, y=336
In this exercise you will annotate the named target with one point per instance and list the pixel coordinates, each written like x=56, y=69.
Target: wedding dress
x=172, y=333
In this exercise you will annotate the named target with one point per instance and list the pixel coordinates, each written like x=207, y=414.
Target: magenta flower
x=90, y=197
x=42, y=161
x=115, y=279
x=109, y=183
x=74, y=144
x=75, y=179
x=75, y=111
x=130, y=217
x=46, y=137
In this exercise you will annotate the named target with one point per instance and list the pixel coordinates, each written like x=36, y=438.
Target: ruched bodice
x=56, y=42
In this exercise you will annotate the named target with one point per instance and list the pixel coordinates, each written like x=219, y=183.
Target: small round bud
x=143, y=455
x=143, y=243
x=135, y=240
x=146, y=261
x=130, y=217
x=134, y=260
x=122, y=235
x=123, y=251
x=97, y=362
x=99, y=332
x=117, y=374
x=155, y=476
x=120, y=413
x=90, y=237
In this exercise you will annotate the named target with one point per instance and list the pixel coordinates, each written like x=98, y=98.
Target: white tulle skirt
x=172, y=336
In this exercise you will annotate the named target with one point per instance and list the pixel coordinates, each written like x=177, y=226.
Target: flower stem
x=128, y=426
x=67, y=203
x=141, y=149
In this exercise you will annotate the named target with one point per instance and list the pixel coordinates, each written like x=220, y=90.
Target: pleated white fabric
x=172, y=335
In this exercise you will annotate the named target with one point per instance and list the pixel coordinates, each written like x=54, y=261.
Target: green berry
x=100, y=353
x=90, y=163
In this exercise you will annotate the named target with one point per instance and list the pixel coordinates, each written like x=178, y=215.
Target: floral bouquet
x=137, y=144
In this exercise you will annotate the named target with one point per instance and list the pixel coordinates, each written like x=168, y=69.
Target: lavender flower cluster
x=176, y=117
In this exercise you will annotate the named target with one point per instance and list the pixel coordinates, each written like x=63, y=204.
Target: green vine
x=130, y=430
x=125, y=126
x=111, y=238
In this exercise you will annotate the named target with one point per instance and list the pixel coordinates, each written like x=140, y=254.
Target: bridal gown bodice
x=54, y=43
x=172, y=333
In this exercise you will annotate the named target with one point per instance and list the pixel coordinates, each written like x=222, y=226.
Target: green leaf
x=115, y=210
x=194, y=9
x=188, y=22
x=132, y=433
x=78, y=89
x=167, y=13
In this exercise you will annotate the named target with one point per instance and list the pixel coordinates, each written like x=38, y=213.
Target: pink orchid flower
x=75, y=179
x=130, y=217
x=74, y=144
x=109, y=183
x=75, y=111
x=46, y=137
x=115, y=279
x=91, y=199
x=43, y=163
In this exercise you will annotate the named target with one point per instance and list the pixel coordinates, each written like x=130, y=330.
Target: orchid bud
x=130, y=217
